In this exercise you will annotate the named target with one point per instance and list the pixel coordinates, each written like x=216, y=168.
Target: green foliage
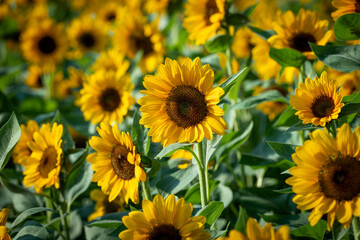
x=27, y=213
x=219, y=43
x=272, y=95
x=237, y=19
x=287, y=57
x=347, y=27
x=237, y=78
x=212, y=212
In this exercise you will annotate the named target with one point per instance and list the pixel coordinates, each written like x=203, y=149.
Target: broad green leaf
x=249, y=11
x=222, y=194
x=316, y=232
x=78, y=182
x=237, y=19
x=66, y=137
x=218, y=43
x=170, y=149
x=300, y=126
x=105, y=223
x=212, y=212
x=138, y=132
x=347, y=27
x=285, y=190
x=287, y=118
x=155, y=167
x=338, y=230
x=349, y=108
x=264, y=34
x=32, y=230
x=293, y=221
x=232, y=80
x=209, y=147
x=9, y=135
x=272, y=95
x=26, y=214
x=353, y=98
x=241, y=221
x=284, y=150
x=213, y=60
x=287, y=57
x=341, y=58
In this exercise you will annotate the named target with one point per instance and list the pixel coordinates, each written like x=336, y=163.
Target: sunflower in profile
x=111, y=60
x=103, y=206
x=106, y=96
x=139, y=35
x=326, y=176
x=116, y=163
x=271, y=108
x=203, y=19
x=42, y=168
x=164, y=219
x=87, y=34
x=156, y=6
x=22, y=151
x=242, y=44
x=44, y=44
x=4, y=235
x=255, y=232
x=35, y=77
x=297, y=31
x=317, y=101
x=180, y=103
x=345, y=7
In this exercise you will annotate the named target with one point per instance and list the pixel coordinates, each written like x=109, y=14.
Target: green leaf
x=300, y=126
x=353, y=98
x=236, y=78
x=212, y=212
x=347, y=27
x=27, y=213
x=272, y=95
x=255, y=160
x=338, y=230
x=6, y=176
x=213, y=60
x=237, y=19
x=349, y=108
x=218, y=43
x=209, y=147
x=66, y=137
x=138, y=132
x=315, y=232
x=155, y=167
x=287, y=57
x=287, y=118
x=264, y=34
x=105, y=223
x=341, y=58
x=9, y=135
x=193, y=193
x=284, y=150
x=241, y=221
x=285, y=190
x=32, y=230
x=78, y=182
x=169, y=150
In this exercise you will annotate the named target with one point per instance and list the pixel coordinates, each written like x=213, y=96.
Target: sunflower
x=4, y=235
x=35, y=77
x=184, y=155
x=255, y=232
x=116, y=163
x=22, y=151
x=156, y=6
x=103, y=206
x=271, y=108
x=203, y=19
x=137, y=35
x=87, y=34
x=106, y=96
x=111, y=60
x=326, y=176
x=317, y=101
x=350, y=83
x=296, y=31
x=242, y=45
x=180, y=103
x=42, y=168
x=164, y=219
x=345, y=7
x=44, y=44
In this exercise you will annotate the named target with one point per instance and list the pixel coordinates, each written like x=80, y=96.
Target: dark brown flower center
x=109, y=99
x=300, y=42
x=164, y=232
x=111, y=207
x=39, y=81
x=211, y=8
x=339, y=178
x=142, y=43
x=186, y=106
x=48, y=161
x=110, y=16
x=120, y=164
x=47, y=45
x=323, y=106
x=87, y=40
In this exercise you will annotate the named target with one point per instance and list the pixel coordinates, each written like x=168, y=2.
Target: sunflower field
x=179, y=119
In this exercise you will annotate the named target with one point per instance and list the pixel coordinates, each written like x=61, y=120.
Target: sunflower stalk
x=228, y=56
x=356, y=227
x=146, y=190
x=203, y=176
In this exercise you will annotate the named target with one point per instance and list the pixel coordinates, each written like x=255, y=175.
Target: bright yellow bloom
x=345, y=7
x=296, y=31
x=203, y=19
x=326, y=176
x=42, y=168
x=242, y=44
x=255, y=232
x=4, y=235
x=164, y=219
x=22, y=151
x=106, y=96
x=155, y=6
x=35, y=77
x=116, y=163
x=180, y=103
x=186, y=156
x=111, y=60
x=103, y=206
x=317, y=101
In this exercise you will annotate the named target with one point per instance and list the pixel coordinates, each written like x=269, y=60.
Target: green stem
x=146, y=190
x=302, y=136
x=204, y=183
x=356, y=227
x=65, y=224
x=228, y=61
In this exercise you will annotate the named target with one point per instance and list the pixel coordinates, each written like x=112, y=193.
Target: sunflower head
x=156, y=6
x=350, y=82
x=297, y=31
x=164, y=219
x=103, y=206
x=42, y=168
x=345, y=7
x=116, y=163
x=317, y=101
x=111, y=60
x=180, y=103
x=326, y=176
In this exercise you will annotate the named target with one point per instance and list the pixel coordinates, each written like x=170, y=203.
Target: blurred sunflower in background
x=4, y=214
x=242, y=44
x=103, y=206
x=184, y=156
x=349, y=82
x=164, y=219
x=317, y=101
x=106, y=97
x=155, y=6
x=345, y=7
x=35, y=77
x=116, y=163
x=42, y=168
x=44, y=44
x=203, y=18
x=180, y=103
x=326, y=176
x=111, y=60
x=110, y=13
